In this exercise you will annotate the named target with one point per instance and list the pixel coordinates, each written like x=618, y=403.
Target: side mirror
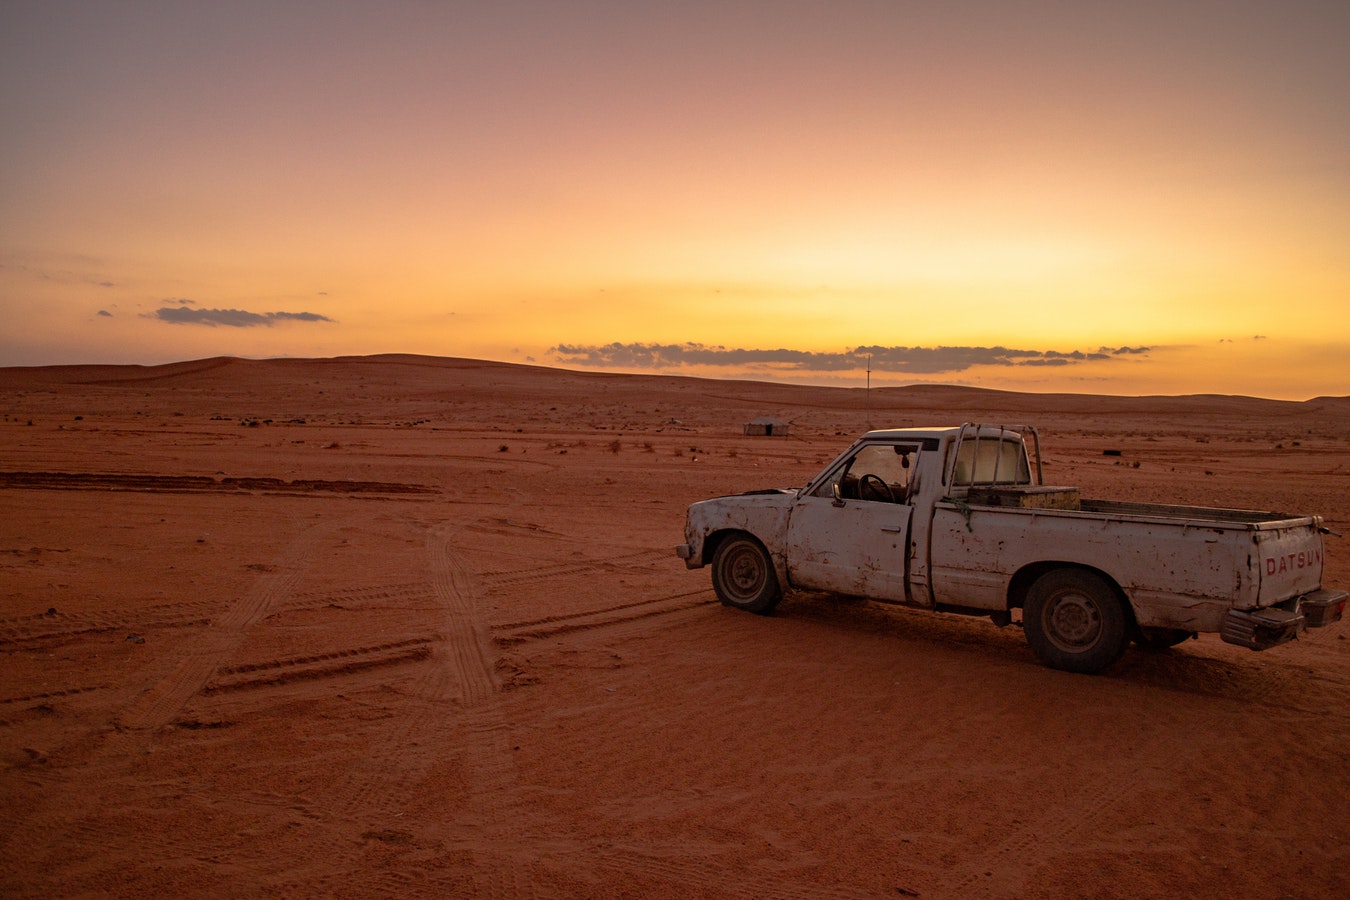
x=838, y=494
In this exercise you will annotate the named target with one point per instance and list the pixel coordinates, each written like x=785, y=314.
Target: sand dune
x=410, y=625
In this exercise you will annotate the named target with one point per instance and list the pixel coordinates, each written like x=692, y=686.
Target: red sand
x=447, y=650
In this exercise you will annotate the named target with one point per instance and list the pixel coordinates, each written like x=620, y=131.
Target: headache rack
x=994, y=456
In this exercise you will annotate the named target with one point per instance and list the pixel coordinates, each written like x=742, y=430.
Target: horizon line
x=633, y=372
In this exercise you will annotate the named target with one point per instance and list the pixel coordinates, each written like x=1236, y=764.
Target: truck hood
x=739, y=510
x=762, y=497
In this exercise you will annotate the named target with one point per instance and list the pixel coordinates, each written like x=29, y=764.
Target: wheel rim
x=1073, y=622
x=744, y=571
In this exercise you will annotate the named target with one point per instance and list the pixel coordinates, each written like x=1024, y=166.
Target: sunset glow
x=511, y=180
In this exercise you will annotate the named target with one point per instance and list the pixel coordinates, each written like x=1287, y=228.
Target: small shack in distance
x=765, y=426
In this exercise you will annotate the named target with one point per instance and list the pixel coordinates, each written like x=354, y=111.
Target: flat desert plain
x=415, y=626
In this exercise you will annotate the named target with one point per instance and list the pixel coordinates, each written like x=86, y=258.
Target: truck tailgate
x=1288, y=562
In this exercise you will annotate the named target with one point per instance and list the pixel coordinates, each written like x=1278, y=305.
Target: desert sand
x=414, y=626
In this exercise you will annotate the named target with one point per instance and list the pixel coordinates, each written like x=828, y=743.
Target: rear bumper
x=1261, y=629
x=1322, y=607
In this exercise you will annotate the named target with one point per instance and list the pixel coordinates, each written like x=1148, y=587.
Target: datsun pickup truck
x=959, y=520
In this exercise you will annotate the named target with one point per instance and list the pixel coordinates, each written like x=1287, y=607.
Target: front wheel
x=743, y=575
x=1074, y=621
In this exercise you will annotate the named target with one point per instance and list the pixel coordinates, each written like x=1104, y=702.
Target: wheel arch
x=1025, y=577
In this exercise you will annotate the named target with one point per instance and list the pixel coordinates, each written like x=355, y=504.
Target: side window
x=877, y=472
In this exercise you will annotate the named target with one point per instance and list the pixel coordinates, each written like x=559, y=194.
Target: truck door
x=850, y=533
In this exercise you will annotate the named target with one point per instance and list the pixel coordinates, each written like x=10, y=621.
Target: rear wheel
x=743, y=575
x=1074, y=621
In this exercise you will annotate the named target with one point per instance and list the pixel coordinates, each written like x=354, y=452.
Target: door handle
x=895, y=528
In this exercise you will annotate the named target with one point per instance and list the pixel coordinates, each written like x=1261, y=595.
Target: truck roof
x=938, y=431
x=911, y=433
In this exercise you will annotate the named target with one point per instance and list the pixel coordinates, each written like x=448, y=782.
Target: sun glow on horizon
x=500, y=182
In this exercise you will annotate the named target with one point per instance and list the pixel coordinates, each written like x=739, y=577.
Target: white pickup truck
x=959, y=520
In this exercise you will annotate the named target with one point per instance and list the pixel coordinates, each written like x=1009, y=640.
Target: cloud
x=297, y=317
x=234, y=318
x=908, y=360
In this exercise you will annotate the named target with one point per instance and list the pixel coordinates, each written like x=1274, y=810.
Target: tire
x=1074, y=621
x=743, y=575
x=1161, y=638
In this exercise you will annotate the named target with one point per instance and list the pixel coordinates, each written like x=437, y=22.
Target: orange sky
x=1102, y=197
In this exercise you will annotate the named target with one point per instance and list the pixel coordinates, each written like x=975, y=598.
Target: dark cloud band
x=911, y=360
x=234, y=318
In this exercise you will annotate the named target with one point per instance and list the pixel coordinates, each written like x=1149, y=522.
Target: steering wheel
x=875, y=484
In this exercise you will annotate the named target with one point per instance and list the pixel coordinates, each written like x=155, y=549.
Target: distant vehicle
x=959, y=520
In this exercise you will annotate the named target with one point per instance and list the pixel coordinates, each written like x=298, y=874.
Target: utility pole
x=869, y=392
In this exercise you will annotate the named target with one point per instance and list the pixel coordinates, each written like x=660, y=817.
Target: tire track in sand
x=489, y=768
x=606, y=617
x=39, y=630
x=334, y=664
x=551, y=573
x=454, y=718
x=47, y=830
x=1003, y=870
x=469, y=673
x=159, y=704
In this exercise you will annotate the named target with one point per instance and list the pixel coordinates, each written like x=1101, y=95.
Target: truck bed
x=1180, y=566
x=1069, y=499
x=1254, y=520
